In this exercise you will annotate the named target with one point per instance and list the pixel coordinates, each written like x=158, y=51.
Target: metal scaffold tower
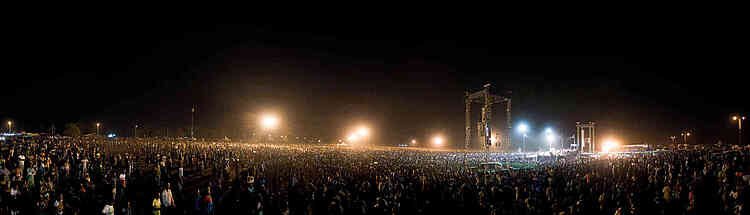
x=484, y=130
x=586, y=137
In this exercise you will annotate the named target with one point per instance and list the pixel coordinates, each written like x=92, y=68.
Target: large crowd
x=46, y=175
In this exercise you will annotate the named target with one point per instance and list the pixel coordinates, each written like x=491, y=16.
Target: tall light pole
x=523, y=128
x=192, y=123
x=10, y=127
x=135, y=131
x=97, y=128
x=739, y=131
x=685, y=134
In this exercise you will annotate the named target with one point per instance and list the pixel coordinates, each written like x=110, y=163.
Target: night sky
x=402, y=81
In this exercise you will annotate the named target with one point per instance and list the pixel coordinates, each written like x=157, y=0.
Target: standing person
x=167, y=199
x=207, y=204
x=197, y=205
x=30, y=173
x=156, y=204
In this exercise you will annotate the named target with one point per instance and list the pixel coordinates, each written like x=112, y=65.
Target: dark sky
x=322, y=80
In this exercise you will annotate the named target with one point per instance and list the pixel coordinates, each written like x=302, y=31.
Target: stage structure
x=484, y=130
x=585, y=137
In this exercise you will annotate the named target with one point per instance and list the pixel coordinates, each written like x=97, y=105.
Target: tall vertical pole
x=192, y=123
x=578, y=137
x=486, y=116
x=739, y=132
x=593, y=137
x=467, y=102
x=509, y=126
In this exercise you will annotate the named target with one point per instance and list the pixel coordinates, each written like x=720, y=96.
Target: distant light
x=734, y=118
x=111, y=135
x=270, y=121
x=363, y=131
x=413, y=141
x=523, y=128
x=609, y=145
x=492, y=139
x=548, y=131
x=437, y=140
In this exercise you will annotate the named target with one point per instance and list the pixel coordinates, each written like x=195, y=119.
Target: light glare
x=363, y=131
x=523, y=128
x=352, y=137
x=270, y=121
x=609, y=145
x=438, y=140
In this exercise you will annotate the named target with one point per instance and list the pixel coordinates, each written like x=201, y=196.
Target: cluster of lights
x=548, y=134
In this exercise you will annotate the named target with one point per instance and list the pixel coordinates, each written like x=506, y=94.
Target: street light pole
x=135, y=131
x=10, y=127
x=739, y=120
x=523, y=128
x=97, y=129
x=685, y=134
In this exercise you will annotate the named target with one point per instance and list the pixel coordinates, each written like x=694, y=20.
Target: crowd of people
x=86, y=175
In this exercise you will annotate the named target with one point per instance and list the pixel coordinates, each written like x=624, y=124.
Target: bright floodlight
x=734, y=118
x=523, y=128
x=352, y=138
x=609, y=145
x=363, y=131
x=269, y=121
x=413, y=141
x=9, y=123
x=437, y=140
x=548, y=131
